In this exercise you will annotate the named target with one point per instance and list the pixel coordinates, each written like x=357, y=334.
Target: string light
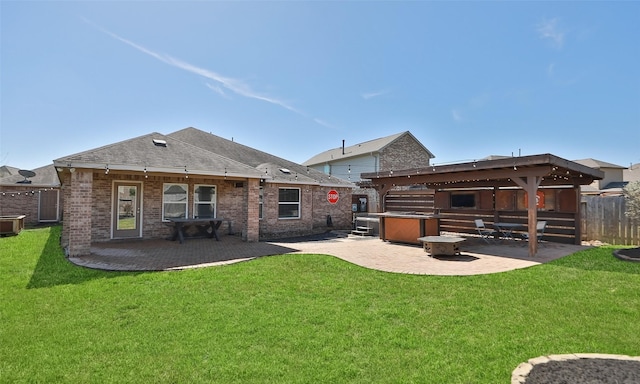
x=24, y=193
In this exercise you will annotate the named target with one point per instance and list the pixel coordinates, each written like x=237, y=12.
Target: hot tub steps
x=362, y=231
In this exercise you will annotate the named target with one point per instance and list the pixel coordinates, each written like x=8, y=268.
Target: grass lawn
x=301, y=319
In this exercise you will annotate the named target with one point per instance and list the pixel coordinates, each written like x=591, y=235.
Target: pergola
x=526, y=172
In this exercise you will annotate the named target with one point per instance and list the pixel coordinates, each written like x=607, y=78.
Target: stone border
x=519, y=375
x=623, y=257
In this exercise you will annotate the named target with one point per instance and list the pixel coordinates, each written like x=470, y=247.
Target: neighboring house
x=632, y=173
x=398, y=151
x=611, y=184
x=191, y=173
x=37, y=197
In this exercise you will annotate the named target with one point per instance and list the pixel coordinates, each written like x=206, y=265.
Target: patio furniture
x=486, y=234
x=506, y=229
x=441, y=245
x=206, y=228
x=11, y=225
x=540, y=227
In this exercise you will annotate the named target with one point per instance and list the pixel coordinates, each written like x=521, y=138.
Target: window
x=204, y=201
x=289, y=203
x=260, y=198
x=463, y=200
x=174, y=201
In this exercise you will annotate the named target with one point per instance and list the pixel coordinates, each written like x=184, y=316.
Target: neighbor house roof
x=7, y=170
x=45, y=176
x=371, y=146
x=272, y=168
x=156, y=152
x=597, y=164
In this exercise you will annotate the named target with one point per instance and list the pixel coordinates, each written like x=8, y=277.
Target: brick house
x=399, y=151
x=191, y=173
x=37, y=197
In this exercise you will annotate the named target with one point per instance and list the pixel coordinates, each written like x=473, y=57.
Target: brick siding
x=88, y=214
x=24, y=200
x=404, y=153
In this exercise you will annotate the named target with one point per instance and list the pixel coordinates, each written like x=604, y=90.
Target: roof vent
x=159, y=143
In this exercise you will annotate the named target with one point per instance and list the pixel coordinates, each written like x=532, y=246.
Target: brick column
x=252, y=230
x=77, y=218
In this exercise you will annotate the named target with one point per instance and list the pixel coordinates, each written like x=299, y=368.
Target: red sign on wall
x=332, y=196
x=539, y=199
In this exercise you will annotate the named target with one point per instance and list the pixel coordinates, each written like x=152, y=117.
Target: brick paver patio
x=476, y=256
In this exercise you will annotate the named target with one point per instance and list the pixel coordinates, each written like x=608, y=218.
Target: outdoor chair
x=540, y=227
x=486, y=234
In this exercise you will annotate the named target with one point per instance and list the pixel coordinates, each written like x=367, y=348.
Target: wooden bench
x=441, y=245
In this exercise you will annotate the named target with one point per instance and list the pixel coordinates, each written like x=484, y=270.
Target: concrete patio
x=476, y=257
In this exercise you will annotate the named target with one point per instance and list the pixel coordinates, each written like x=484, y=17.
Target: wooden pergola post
x=530, y=185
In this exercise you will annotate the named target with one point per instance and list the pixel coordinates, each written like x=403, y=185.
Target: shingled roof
x=46, y=176
x=156, y=152
x=371, y=146
x=597, y=164
x=272, y=168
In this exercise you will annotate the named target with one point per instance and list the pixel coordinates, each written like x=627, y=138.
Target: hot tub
x=407, y=227
x=11, y=225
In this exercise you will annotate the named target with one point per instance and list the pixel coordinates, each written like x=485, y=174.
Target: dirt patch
x=594, y=371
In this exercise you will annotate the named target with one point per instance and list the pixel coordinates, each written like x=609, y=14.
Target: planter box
x=11, y=225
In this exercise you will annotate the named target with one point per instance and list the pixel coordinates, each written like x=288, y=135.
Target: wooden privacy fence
x=604, y=219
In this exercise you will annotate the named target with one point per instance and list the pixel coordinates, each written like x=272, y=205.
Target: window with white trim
x=289, y=203
x=174, y=201
x=204, y=201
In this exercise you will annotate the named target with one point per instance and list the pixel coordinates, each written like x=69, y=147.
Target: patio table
x=441, y=245
x=506, y=229
x=206, y=227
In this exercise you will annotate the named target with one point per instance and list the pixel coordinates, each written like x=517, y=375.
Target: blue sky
x=468, y=79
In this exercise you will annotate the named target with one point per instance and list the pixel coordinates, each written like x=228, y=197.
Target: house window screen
x=204, y=201
x=289, y=203
x=174, y=201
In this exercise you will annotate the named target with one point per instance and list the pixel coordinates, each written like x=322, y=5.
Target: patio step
x=362, y=231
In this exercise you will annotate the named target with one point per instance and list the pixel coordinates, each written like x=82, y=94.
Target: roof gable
x=371, y=146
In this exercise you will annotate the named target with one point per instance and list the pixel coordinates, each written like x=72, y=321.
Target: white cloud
x=323, y=123
x=216, y=88
x=549, y=30
x=234, y=85
x=551, y=69
x=371, y=95
x=456, y=114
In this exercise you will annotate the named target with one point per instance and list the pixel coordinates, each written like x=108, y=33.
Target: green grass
x=301, y=319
